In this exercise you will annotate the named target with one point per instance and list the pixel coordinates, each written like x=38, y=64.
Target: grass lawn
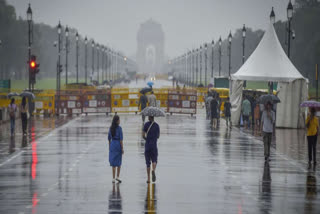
x=49, y=83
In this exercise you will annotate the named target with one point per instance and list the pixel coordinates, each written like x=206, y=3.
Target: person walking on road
x=115, y=138
x=312, y=125
x=143, y=101
x=267, y=123
x=12, y=114
x=227, y=112
x=24, y=115
x=214, y=112
x=246, y=111
x=152, y=99
x=151, y=133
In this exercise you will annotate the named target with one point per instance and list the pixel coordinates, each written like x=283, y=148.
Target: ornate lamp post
x=230, y=41
x=77, y=56
x=92, y=45
x=205, y=66
x=67, y=52
x=193, y=70
x=86, y=59
x=244, y=31
x=98, y=62
x=212, y=58
x=200, y=51
x=29, y=19
x=289, y=15
x=220, y=44
x=58, y=69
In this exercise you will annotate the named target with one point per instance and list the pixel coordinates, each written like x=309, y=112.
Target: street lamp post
x=230, y=41
x=67, y=53
x=77, y=56
x=98, y=66
x=289, y=15
x=200, y=64
x=212, y=59
x=102, y=65
x=220, y=44
x=58, y=70
x=193, y=71
x=86, y=59
x=244, y=31
x=272, y=20
x=206, y=68
x=92, y=45
x=197, y=67
x=29, y=19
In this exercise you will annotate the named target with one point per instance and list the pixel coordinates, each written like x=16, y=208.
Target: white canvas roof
x=268, y=62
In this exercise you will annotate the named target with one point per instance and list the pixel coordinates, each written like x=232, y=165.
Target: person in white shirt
x=267, y=123
x=152, y=99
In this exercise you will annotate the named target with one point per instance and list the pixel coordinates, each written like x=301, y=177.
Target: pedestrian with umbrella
x=151, y=133
x=24, y=115
x=312, y=125
x=12, y=109
x=267, y=123
x=143, y=101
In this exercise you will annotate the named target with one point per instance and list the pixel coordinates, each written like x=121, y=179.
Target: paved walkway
x=200, y=171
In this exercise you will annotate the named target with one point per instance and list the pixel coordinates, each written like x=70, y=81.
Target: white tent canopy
x=268, y=62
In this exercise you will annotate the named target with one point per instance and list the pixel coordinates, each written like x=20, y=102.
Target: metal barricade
x=182, y=101
x=70, y=102
x=97, y=101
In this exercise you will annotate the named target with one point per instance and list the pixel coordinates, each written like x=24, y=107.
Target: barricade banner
x=70, y=102
x=97, y=101
x=182, y=101
x=44, y=103
x=201, y=93
x=162, y=98
x=120, y=100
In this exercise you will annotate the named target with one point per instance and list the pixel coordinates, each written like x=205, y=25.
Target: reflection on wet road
x=199, y=171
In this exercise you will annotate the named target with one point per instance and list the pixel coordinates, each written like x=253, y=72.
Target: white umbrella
x=153, y=111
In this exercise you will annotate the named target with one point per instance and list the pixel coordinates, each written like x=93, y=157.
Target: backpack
x=11, y=111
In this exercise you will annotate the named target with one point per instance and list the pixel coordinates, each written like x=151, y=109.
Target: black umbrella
x=268, y=98
x=13, y=94
x=145, y=90
x=27, y=94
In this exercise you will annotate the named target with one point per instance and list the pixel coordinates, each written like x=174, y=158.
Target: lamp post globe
x=272, y=16
x=220, y=41
x=67, y=31
x=29, y=13
x=244, y=31
x=290, y=10
x=59, y=28
x=77, y=36
x=230, y=37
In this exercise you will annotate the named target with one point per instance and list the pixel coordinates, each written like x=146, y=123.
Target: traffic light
x=34, y=68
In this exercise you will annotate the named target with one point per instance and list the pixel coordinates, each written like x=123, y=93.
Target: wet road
x=200, y=170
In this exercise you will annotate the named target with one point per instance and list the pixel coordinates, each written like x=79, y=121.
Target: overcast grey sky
x=186, y=23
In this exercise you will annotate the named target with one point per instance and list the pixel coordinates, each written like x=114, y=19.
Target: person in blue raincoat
x=151, y=133
x=115, y=138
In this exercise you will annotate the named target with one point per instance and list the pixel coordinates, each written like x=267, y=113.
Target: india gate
x=150, y=49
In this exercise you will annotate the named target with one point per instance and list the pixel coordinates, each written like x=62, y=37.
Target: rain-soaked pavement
x=200, y=170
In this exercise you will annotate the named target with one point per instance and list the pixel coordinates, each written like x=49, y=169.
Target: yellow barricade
x=201, y=94
x=44, y=103
x=124, y=100
x=162, y=98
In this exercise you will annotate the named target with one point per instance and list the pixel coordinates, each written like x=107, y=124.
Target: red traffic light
x=32, y=64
